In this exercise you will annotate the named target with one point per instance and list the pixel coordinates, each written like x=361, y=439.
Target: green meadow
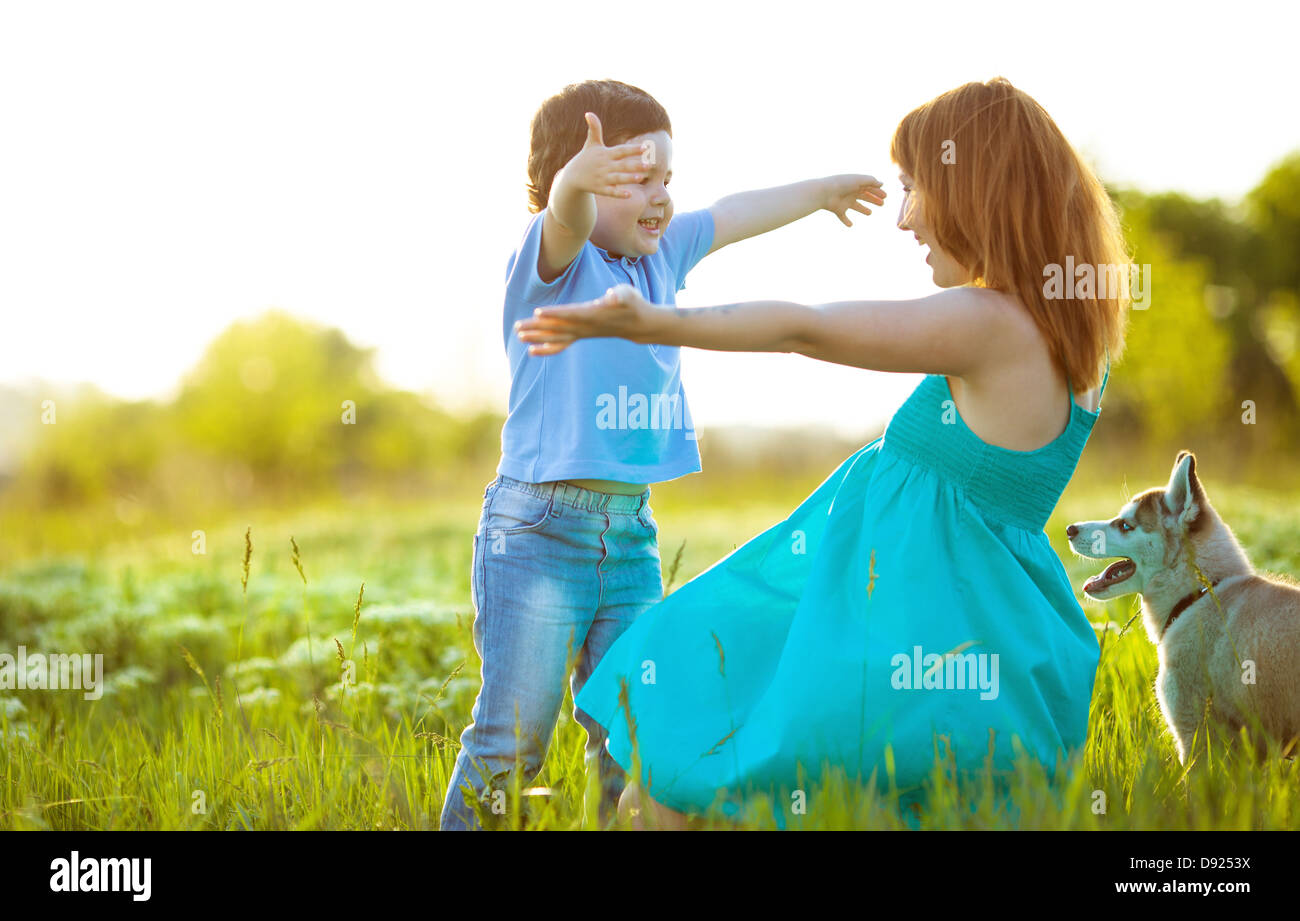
x=330, y=692
x=274, y=563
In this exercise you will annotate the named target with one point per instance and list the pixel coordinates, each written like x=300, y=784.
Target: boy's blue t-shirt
x=603, y=408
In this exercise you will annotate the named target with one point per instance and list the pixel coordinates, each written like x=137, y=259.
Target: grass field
x=223, y=707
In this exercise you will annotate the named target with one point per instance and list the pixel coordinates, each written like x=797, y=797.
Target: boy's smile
x=634, y=226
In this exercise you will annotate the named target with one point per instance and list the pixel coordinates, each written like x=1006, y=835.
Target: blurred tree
x=1176, y=356
x=274, y=402
x=1273, y=214
x=1249, y=256
x=270, y=393
x=95, y=444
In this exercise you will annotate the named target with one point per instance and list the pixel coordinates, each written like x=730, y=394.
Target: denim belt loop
x=570, y=494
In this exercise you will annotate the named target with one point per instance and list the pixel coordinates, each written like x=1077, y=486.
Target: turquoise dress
x=912, y=598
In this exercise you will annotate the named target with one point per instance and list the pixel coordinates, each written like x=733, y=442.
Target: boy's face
x=619, y=229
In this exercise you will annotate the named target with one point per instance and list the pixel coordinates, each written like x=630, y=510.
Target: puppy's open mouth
x=1114, y=574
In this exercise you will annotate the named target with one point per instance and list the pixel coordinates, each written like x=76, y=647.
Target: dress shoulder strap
x=1104, y=378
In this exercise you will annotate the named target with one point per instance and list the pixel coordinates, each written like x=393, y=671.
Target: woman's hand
x=622, y=312
x=850, y=191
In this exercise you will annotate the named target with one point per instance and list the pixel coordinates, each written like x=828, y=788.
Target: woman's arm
x=954, y=331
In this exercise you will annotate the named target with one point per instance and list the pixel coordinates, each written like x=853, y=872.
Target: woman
x=912, y=605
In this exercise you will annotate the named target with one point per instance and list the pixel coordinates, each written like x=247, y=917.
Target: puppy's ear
x=1184, y=495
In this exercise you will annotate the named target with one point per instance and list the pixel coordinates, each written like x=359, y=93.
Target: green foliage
x=275, y=401
x=1222, y=328
x=1175, y=371
x=271, y=394
x=1279, y=324
x=95, y=445
x=1274, y=215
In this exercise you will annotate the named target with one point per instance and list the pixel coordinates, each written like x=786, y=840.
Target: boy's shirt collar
x=609, y=258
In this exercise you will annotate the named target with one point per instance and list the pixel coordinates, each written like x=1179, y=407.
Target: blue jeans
x=559, y=573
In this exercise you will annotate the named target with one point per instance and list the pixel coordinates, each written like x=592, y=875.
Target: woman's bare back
x=1021, y=406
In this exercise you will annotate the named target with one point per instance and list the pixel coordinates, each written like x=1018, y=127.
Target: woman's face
x=948, y=273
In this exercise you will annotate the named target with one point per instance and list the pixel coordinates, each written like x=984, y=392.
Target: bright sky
x=171, y=167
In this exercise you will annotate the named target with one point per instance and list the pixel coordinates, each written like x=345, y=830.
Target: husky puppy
x=1227, y=638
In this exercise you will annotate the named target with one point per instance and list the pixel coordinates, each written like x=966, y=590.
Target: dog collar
x=1186, y=602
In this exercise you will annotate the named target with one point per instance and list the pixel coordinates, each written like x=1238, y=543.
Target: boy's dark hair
x=560, y=129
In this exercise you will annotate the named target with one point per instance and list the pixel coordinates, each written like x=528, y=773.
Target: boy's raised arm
x=571, y=207
x=748, y=214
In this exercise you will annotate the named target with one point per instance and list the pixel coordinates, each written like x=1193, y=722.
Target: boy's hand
x=601, y=170
x=849, y=191
x=622, y=312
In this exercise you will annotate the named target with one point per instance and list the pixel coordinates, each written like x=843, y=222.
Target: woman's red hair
x=1007, y=197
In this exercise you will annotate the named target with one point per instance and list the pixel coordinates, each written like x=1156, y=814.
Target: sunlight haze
x=171, y=168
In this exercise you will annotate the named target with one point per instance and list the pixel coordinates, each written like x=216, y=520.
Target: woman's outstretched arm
x=953, y=331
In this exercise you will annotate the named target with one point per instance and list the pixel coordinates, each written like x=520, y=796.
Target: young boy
x=566, y=553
